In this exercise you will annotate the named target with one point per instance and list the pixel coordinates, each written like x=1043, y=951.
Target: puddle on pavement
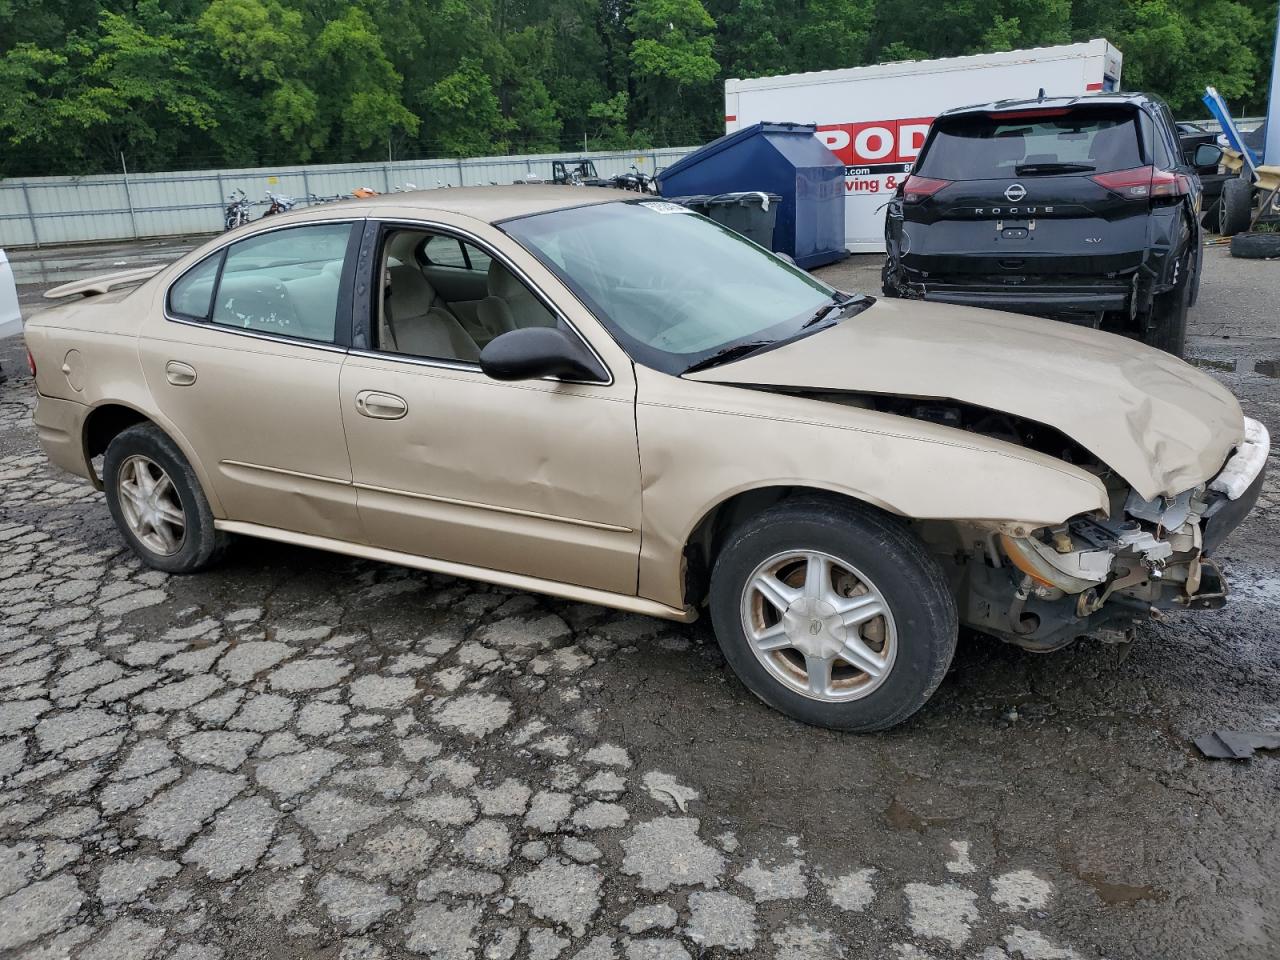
x=1267, y=368
x=1113, y=893
x=900, y=818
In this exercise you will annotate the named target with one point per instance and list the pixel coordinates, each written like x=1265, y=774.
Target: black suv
x=1077, y=208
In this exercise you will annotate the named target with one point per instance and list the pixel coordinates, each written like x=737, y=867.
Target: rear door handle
x=380, y=406
x=180, y=374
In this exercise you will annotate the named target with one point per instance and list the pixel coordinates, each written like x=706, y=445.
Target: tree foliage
x=199, y=83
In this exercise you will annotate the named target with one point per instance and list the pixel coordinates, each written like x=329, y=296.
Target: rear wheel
x=887, y=284
x=156, y=501
x=1235, y=207
x=833, y=615
x=1167, y=327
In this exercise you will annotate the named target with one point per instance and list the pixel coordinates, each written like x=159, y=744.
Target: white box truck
x=875, y=118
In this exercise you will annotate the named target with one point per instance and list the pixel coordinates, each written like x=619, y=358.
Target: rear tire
x=1167, y=328
x=1235, y=207
x=1256, y=246
x=885, y=598
x=155, y=499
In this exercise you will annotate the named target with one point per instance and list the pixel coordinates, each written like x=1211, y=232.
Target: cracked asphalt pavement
x=302, y=755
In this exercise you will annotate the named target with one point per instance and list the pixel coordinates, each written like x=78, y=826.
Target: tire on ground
x=1255, y=246
x=891, y=558
x=1167, y=327
x=1235, y=206
x=201, y=545
x=887, y=284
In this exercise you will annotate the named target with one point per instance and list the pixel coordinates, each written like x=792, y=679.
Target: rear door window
x=986, y=148
x=285, y=282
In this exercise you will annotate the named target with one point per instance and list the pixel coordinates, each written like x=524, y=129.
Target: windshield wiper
x=839, y=306
x=1027, y=169
x=733, y=352
x=737, y=351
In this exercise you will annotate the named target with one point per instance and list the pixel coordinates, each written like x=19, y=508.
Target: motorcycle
x=635, y=180
x=237, y=212
x=279, y=204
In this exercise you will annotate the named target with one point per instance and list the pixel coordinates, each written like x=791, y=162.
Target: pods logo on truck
x=873, y=148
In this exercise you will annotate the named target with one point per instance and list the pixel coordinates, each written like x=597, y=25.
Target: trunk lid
x=1158, y=422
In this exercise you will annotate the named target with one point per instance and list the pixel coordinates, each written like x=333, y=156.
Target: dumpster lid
x=732, y=139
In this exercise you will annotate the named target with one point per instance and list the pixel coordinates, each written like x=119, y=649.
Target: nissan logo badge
x=1015, y=192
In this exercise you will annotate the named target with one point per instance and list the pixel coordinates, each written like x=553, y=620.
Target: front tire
x=155, y=499
x=833, y=615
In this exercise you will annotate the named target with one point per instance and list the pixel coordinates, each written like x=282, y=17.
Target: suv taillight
x=1141, y=183
x=31, y=363
x=915, y=189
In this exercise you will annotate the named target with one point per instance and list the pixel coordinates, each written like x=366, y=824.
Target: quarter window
x=192, y=296
x=285, y=282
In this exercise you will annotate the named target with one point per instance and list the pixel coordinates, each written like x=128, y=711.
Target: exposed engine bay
x=1093, y=575
x=1097, y=575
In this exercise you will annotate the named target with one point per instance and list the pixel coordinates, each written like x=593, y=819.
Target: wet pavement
x=302, y=755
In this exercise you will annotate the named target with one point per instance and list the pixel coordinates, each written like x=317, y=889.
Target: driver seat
x=413, y=323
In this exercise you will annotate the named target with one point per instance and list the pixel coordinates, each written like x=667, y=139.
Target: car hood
x=1158, y=422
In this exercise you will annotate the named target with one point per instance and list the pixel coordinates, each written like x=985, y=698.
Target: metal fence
x=35, y=211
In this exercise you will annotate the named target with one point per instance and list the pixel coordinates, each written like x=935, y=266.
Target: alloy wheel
x=150, y=505
x=819, y=626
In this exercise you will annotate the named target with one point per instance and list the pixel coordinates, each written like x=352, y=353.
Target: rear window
x=984, y=148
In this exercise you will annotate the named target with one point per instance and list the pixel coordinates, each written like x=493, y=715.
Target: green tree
x=673, y=62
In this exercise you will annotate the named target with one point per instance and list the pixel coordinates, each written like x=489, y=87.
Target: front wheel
x=833, y=615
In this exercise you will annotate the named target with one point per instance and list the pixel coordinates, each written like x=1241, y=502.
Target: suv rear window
x=983, y=148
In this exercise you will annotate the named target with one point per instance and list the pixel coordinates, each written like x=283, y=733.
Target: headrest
x=408, y=283
x=503, y=283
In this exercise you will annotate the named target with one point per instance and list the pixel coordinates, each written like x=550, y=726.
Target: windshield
x=982, y=148
x=673, y=287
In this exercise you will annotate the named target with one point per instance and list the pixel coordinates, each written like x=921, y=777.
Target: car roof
x=488, y=204
x=1055, y=103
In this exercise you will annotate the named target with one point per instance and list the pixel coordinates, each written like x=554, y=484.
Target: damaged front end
x=1097, y=575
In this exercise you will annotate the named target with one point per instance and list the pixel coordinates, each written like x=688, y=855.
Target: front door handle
x=380, y=406
x=180, y=374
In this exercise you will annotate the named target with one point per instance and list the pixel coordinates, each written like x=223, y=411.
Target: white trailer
x=875, y=118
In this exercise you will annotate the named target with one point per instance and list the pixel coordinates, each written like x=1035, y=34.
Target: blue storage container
x=782, y=158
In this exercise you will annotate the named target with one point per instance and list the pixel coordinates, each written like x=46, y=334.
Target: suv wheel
x=888, y=285
x=833, y=615
x=156, y=501
x=1167, y=326
x=1235, y=206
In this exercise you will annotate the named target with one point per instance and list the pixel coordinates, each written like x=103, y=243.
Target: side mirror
x=1207, y=155
x=531, y=353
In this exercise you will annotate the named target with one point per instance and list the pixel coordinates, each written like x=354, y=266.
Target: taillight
x=916, y=188
x=1140, y=183
x=31, y=363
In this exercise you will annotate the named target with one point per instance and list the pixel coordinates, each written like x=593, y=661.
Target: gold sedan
x=615, y=400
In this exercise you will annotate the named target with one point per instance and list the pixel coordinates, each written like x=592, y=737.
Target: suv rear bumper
x=1029, y=298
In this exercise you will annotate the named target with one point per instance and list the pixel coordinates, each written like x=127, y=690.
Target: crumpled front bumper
x=1155, y=555
x=1238, y=485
